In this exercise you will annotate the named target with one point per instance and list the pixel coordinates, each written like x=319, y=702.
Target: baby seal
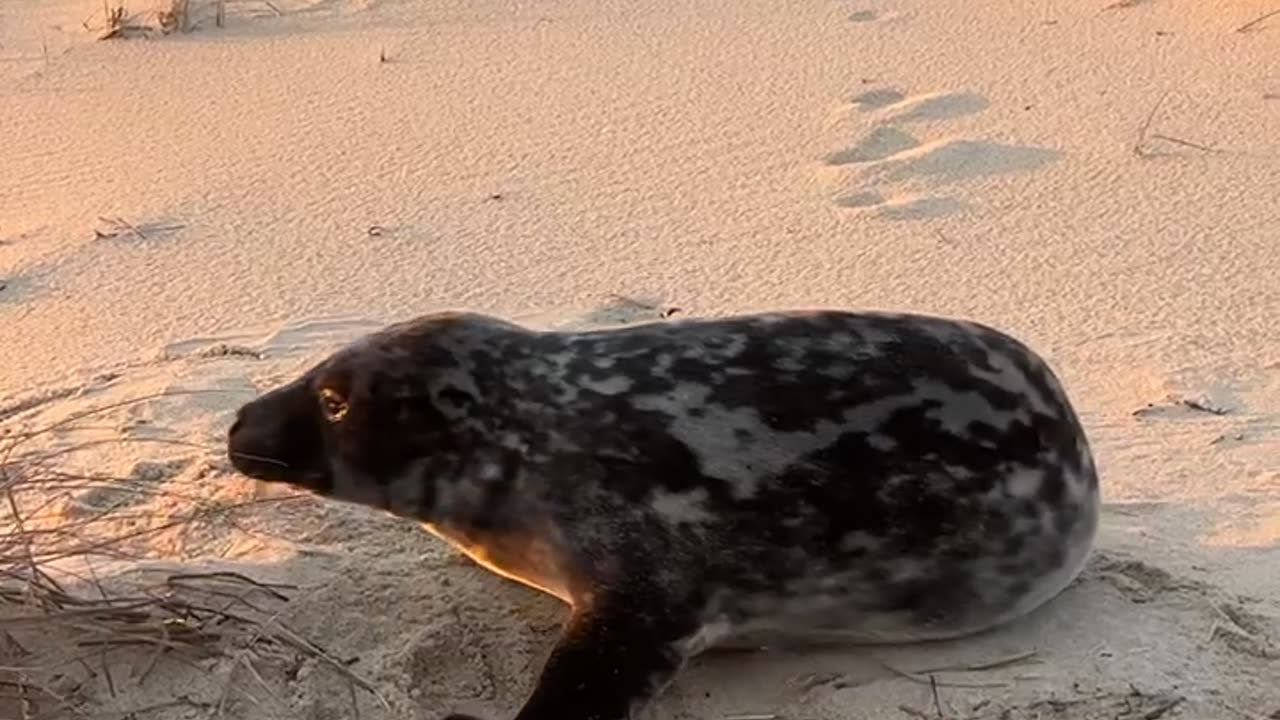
x=871, y=477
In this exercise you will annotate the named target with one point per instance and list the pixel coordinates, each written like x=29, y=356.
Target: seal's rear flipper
x=612, y=659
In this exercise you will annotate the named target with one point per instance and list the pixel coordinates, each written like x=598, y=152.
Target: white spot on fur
x=688, y=507
x=882, y=442
x=1024, y=482
x=489, y=472
x=614, y=385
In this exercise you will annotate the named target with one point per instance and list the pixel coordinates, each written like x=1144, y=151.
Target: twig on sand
x=928, y=676
x=1204, y=407
x=981, y=666
x=1122, y=5
x=1160, y=710
x=1146, y=125
x=269, y=588
x=931, y=681
x=937, y=705
x=182, y=701
x=1249, y=26
x=1145, y=134
x=933, y=689
x=1185, y=143
x=118, y=226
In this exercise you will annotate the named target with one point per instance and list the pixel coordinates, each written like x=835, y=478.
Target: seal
x=684, y=485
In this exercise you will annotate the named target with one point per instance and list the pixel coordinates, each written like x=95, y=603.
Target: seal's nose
x=236, y=425
x=237, y=432
x=244, y=445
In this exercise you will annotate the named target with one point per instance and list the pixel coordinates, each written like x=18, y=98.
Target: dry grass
x=117, y=22
x=62, y=627
x=1143, y=146
x=1256, y=23
x=178, y=16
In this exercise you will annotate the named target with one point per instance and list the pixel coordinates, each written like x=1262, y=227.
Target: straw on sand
x=46, y=594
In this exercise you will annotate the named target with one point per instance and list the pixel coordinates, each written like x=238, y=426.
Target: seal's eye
x=333, y=405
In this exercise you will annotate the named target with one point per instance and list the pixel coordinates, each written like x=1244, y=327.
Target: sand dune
x=200, y=214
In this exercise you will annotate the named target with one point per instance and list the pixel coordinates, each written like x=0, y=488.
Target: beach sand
x=193, y=217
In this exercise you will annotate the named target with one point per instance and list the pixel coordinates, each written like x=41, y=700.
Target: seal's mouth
x=258, y=467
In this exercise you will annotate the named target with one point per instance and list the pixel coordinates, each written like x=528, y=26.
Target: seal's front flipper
x=612, y=659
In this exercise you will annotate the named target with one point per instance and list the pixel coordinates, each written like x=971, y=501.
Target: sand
x=211, y=211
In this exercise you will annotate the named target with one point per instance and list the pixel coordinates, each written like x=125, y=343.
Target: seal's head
x=361, y=426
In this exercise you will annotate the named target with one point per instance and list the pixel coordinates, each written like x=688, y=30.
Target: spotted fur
x=871, y=477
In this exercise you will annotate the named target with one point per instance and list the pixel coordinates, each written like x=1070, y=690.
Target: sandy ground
x=212, y=211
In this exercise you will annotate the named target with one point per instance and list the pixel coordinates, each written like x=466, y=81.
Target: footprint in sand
x=14, y=288
x=887, y=159
x=137, y=488
x=879, y=144
x=896, y=166
x=867, y=15
x=876, y=99
x=939, y=106
x=901, y=207
x=1237, y=622
x=957, y=160
x=899, y=107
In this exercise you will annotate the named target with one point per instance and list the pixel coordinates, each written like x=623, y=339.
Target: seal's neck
x=470, y=481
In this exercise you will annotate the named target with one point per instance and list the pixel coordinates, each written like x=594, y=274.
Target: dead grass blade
x=181, y=616
x=1249, y=26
